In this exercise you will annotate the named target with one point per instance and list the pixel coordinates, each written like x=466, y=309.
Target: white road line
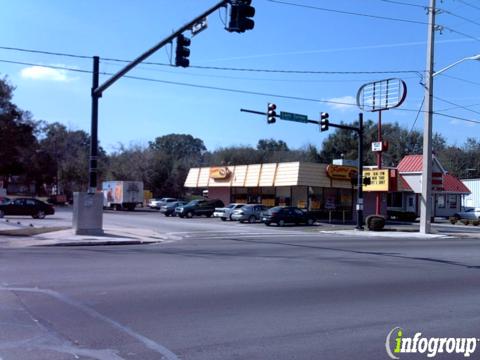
x=149, y=343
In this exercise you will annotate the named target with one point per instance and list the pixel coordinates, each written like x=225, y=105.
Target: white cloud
x=343, y=103
x=45, y=73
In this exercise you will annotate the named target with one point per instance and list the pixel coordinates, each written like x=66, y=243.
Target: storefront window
x=316, y=198
x=441, y=201
x=452, y=200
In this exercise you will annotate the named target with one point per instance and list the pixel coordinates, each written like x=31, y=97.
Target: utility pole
x=426, y=199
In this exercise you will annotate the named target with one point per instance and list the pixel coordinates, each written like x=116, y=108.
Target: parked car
x=4, y=200
x=169, y=208
x=159, y=202
x=470, y=214
x=199, y=207
x=226, y=212
x=250, y=212
x=288, y=215
x=27, y=206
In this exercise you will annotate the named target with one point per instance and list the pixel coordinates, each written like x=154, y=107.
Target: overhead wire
x=231, y=90
x=348, y=12
x=282, y=71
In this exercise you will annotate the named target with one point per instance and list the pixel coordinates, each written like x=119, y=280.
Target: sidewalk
x=21, y=234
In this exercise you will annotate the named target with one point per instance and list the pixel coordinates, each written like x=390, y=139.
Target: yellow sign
x=340, y=172
x=376, y=180
x=220, y=173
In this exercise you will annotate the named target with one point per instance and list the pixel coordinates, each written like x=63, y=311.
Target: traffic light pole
x=97, y=90
x=359, y=131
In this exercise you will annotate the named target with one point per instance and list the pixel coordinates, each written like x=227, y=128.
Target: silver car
x=250, y=212
x=470, y=214
x=227, y=211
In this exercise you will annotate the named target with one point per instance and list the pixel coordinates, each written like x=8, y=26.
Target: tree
x=68, y=151
x=18, y=142
x=271, y=145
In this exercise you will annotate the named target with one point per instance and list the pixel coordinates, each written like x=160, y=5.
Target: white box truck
x=119, y=195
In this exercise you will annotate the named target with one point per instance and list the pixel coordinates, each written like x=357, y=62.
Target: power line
x=405, y=3
x=468, y=4
x=457, y=117
x=457, y=105
x=416, y=117
x=248, y=92
x=349, y=12
x=231, y=90
x=460, y=17
x=461, y=33
x=306, y=72
x=459, y=79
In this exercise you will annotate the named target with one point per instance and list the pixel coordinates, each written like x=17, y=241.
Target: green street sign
x=293, y=117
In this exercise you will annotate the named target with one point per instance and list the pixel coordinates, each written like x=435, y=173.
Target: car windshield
x=193, y=202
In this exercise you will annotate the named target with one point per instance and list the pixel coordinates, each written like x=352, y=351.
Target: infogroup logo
x=397, y=343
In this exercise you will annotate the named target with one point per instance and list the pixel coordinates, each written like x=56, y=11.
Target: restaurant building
x=317, y=187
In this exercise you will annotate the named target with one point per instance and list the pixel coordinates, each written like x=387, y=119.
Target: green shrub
x=465, y=221
x=453, y=220
x=476, y=222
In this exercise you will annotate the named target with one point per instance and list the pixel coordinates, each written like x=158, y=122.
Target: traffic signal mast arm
x=307, y=121
x=100, y=89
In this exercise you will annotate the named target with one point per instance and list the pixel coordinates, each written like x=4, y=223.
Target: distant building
x=473, y=199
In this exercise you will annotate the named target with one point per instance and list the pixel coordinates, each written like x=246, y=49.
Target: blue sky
x=285, y=37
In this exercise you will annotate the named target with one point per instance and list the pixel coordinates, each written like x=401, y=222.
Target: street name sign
x=293, y=117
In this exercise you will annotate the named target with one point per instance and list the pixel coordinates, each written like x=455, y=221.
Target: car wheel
x=223, y=218
x=310, y=222
x=189, y=214
x=230, y=218
x=166, y=214
x=208, y=215
x=281, y=223
x=267, y=224
x=252, y=219
x=2, y=214
x=39, y=215
x=457, y=217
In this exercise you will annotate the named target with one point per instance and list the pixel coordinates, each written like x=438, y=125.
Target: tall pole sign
x=378, y=96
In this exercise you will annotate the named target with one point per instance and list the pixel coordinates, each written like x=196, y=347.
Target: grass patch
x=31, y=231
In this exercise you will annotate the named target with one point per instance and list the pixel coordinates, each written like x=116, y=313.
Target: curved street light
x=426, y=202
x=475, y=57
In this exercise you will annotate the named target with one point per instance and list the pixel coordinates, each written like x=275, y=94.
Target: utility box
x=88, y=213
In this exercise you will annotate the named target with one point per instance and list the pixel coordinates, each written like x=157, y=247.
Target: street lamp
x=426, y=202
x=475, y=57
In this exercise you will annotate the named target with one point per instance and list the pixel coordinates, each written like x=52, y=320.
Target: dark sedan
x=287, y=215
x=27, y=206
x=169, y=208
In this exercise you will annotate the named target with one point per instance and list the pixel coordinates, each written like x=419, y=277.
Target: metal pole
x=360, y=174
x=92, y=183
x=426, y=199
x=378, y=195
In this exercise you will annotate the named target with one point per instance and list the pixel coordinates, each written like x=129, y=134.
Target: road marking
x=149, y=343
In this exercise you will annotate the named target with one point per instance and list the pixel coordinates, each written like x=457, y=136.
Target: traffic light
x=241, y=14
x=182, y=52
x=271, y=113
x=324, y=121
x=367, y=181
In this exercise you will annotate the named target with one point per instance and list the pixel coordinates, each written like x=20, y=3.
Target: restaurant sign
x=339, y=172
x=220, y=173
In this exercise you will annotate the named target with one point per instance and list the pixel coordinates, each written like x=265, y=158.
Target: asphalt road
x=236, y=297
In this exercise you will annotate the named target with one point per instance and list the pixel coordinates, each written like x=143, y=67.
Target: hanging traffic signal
x=271, y=113
x=324, y=121
x=241, y=14
x=182, y=52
